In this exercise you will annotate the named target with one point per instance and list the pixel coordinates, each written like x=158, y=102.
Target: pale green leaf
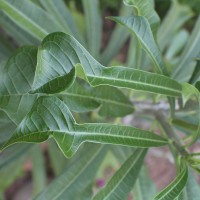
x=196, y=73
x=189, y=91
x=20, y=36
x=93, y=26
x=175, y=188
x=38, y=171
x=186, y=66
x=144, y=188
x=62, y=15
x=140, y=27
x=120, y=185
x=145, y=8
x=77, y=177
x=177, y=15
x=120, y=35
x=51, y=117
x=11, y=161
x=29, y=17
x=192, y=188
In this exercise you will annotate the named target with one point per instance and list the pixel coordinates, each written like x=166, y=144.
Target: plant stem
x=170, y=132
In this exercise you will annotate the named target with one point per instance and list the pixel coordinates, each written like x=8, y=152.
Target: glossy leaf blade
x=124, y=179
x=51, y=117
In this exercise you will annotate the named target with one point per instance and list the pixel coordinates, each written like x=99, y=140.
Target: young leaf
x=120, y=185
x=175, y=188
x=139, y=26
x=51, y=117
x=64, y=52
x=77, y=177
x=145, y=9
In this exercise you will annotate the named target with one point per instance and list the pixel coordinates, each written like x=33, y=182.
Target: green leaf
x=177, y=15
x=64, y=52
x=11, y=161
x=144, y=188
x=77, y=177
x=29, y=17
x=177, y=44
x=20, y=36
x=196, y=73
x=57, y=159
x=186, y=66
x=145, y=8
x=175, y=188
x=16, y=78
x=61, y=14
x=140, y=27
x=82, y=98
x=189, y=91
x=51, y=117
x=93, y=26
x=192, y=188
x=120, y=35
x=120, y=185
x=39, y=171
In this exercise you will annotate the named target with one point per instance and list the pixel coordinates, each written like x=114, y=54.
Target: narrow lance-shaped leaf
x=186, y=66
x=61, y=14
x=187, y=92
x=145, y=8
x=175, y=188
x=144, y=188
x=139, y=26
x=196, y=73
x=93, y=26
x=64, y=52
x=29, y=17
x=119, y=34
x=72, y=183
x=124, y=179
x=177, y=15
x=51, y=117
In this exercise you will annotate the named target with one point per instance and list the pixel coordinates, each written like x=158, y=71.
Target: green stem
x=170, y=133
